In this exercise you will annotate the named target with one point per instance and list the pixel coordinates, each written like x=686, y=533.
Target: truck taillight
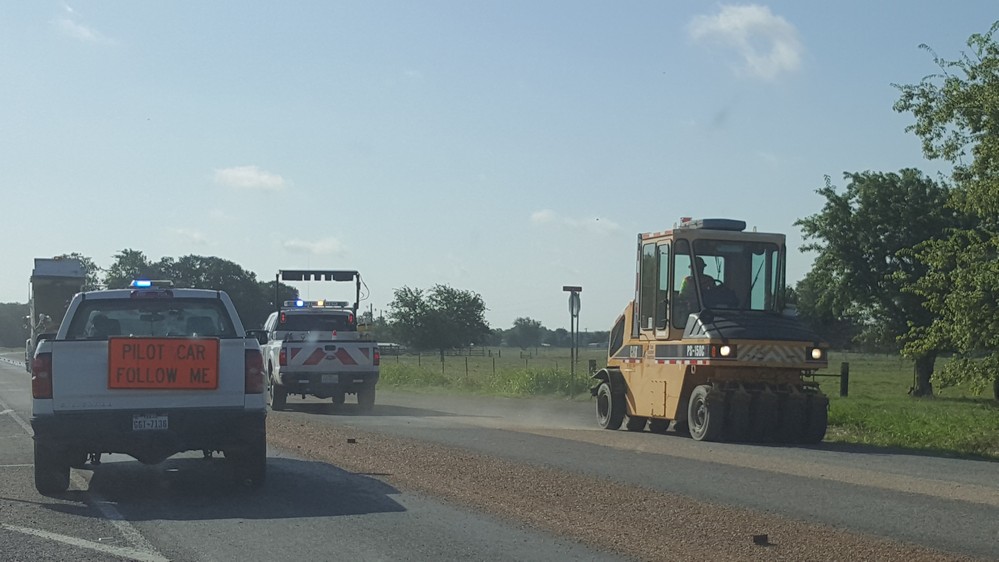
x=41, y=376
x=254, y=366
x=283, y=357
x=378, y=357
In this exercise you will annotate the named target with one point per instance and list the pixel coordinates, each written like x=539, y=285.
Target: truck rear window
x=316, y=323
x=102, y=318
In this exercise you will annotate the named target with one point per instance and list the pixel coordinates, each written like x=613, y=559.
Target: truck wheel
x=818, y=419
x=279, y=396
x=366, y=398
x=705, y=414
x=610, y=407
x=250, y=462
x=658, y=425
x=636, y=423
x=51, y=470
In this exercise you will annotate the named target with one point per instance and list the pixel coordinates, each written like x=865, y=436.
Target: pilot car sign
x=163, y=363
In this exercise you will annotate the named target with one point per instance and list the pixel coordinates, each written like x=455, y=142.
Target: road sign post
x=573, y=291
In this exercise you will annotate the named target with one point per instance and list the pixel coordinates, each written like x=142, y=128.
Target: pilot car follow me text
x=708, y=343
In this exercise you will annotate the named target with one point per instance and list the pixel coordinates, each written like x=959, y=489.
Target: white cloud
x=192, y=236
x=596, y=225
x=543, y=216
x=249, y=177
x=70, y=26
x=324, y=247
x=767, y=43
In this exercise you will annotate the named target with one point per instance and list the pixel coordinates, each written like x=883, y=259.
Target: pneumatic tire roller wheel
x=706, y=414
x=610, y=407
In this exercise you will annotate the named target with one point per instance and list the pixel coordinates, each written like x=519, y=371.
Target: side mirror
x=259, y=335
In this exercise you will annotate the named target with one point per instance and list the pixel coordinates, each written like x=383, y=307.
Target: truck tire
x=250, y=462
x=279, y=396
x=705, y=414
x=366, y=399
x=610, y=408
x=51, y=470
x=817, y=418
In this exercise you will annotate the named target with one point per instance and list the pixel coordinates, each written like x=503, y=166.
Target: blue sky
x=507, y=148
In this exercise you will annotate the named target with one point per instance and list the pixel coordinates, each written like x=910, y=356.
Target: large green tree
x=441, y=318
x=957, y=118
x=863, y=237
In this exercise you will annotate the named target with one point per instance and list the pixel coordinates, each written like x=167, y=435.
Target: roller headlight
x=725, y=350
x=816, y=353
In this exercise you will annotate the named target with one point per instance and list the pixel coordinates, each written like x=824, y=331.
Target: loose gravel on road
x=627, y=520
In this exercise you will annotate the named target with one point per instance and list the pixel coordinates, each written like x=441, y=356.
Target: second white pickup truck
x=313, y=348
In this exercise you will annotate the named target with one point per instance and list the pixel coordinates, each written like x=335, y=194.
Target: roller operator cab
x=709, y=344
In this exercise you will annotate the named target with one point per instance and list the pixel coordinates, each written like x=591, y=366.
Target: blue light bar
x=141, y=283
x=299, y=303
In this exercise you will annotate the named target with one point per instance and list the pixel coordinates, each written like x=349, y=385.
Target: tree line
x=440, y=318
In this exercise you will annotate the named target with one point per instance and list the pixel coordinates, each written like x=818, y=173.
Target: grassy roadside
x=878, y=410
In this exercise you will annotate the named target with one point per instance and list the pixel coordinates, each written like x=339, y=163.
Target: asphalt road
x=187, y=508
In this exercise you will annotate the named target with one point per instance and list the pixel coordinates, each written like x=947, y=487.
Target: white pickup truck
x=313, y=348
x=148, y=371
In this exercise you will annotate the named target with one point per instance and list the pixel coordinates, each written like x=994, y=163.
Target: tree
x=957, y=119
x=128, y=265
x=253, y=299
x=865, y=265
x=821, y=311
x=525, y=333
x=441, y=318
x=559, y=337
x=90, y=269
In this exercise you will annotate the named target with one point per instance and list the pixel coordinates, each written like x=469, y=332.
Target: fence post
x=442, y=366
x=494, y=366
x=466, y=367
x=844, y=378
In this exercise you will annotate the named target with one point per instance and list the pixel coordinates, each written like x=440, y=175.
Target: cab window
x=649, y=283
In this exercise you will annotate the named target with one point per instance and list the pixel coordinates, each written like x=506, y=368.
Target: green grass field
x=878, y=410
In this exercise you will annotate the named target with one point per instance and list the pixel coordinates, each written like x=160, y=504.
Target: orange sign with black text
x=163, y=363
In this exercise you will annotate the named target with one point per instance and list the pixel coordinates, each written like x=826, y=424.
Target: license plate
x=147, y=422
x=331, y=379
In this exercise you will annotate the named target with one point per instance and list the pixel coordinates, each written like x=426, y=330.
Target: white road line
x=107, y=509
x=15, y=465
x=121, y=551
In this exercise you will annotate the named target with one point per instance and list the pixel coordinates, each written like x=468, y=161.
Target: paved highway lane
x=188, y=508
x=948, y=504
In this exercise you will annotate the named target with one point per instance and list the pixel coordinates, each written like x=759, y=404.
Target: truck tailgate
x=82, y=377
x=335, y=356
